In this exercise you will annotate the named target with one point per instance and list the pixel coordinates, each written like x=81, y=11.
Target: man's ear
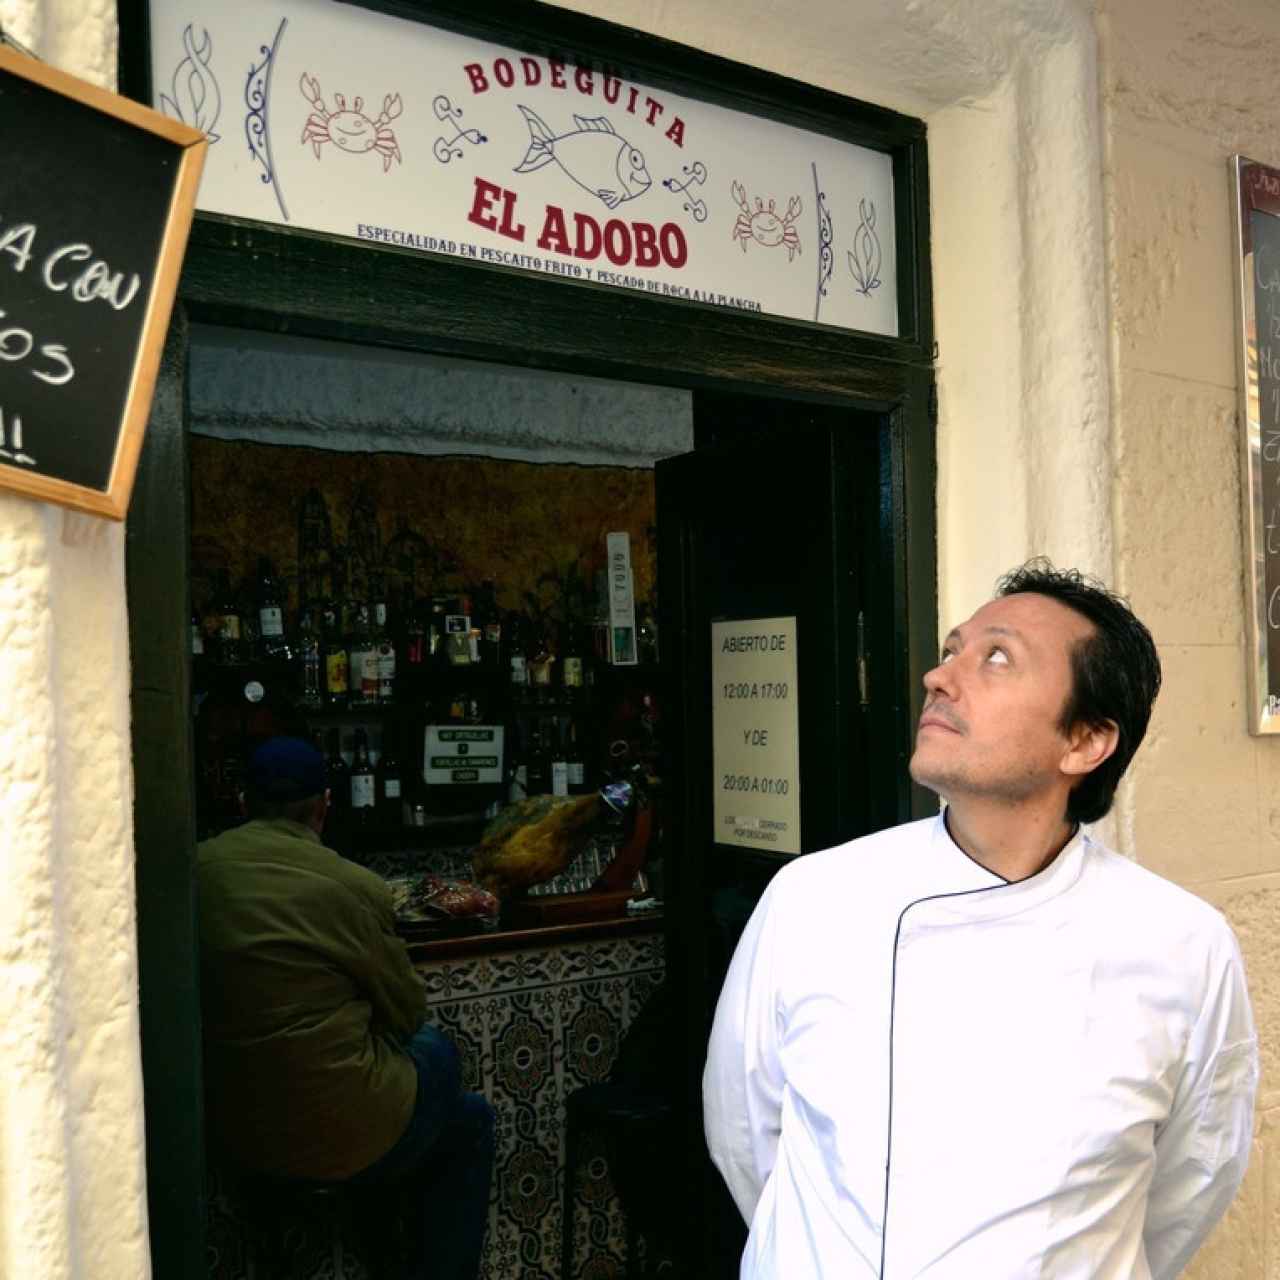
x=1088, y=745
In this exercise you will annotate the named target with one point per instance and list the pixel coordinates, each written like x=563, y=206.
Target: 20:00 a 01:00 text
x=774, y=689
x=763, y=786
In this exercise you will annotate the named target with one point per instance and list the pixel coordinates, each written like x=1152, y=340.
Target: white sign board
x=326, y=116
x=469, y=753
x=755, y=731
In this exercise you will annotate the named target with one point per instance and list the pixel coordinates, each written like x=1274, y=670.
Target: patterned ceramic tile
x=532, y=1026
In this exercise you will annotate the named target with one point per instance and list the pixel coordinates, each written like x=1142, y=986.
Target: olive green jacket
x=307, y=996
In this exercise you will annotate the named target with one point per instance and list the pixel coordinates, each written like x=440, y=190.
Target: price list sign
x=1257, y=199
x=96, y=200
x=756, y=734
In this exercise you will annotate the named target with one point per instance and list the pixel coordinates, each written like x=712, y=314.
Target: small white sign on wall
x=755, y=729
x=327, y=116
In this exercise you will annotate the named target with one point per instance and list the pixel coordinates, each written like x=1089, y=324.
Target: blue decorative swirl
x=257, y=94
x=447, y=149
x=826, y=255
x=195, y=98
x=864, y=257
x=694, y=175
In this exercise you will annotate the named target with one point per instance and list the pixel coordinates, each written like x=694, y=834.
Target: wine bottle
x=270, y=604
x=230, y=629
x=577, y=763
x=559, y=767
x=364, y=793
x=518, y=658
x=339, y=774
x=538, y=767
x=389, y=800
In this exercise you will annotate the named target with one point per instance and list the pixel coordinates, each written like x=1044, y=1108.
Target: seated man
x=318, y=1065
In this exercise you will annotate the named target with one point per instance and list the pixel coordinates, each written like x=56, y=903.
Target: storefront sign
x=755, y=729
x=463, y=753
x=1257, y=195
x=327, y=116
x=98, y=198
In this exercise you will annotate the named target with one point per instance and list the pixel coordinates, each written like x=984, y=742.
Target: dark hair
x=1115, y=673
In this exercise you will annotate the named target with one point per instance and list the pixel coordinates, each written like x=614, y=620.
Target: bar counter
x=538, y=1013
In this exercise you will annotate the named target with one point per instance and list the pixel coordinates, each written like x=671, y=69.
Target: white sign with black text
x=755, y=729
x=465, y=753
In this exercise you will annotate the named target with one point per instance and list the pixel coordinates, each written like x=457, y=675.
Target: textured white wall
x=72, y=1184
x=1184, y=88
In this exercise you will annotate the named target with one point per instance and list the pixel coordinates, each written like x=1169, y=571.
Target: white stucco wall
x=72, y=1183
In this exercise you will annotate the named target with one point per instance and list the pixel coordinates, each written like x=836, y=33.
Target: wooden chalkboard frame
x=113, y=501
x=1256, y=192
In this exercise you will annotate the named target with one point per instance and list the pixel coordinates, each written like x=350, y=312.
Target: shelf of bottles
x=434, y=708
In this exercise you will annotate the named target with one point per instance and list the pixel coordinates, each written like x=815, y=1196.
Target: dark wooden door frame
x=287, y=281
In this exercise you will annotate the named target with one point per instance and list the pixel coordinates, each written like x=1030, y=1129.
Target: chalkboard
x=96, y=198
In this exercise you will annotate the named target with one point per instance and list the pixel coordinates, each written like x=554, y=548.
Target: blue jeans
x=442, y=1163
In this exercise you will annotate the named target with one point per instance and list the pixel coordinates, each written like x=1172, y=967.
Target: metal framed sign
x=1256, y=191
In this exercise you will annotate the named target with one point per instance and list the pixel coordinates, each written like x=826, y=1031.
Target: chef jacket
x=919, y=1069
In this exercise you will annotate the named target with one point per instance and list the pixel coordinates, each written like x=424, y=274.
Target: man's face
x=989, y=728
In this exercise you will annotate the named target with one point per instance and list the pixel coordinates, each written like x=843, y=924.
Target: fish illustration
x=593, y=155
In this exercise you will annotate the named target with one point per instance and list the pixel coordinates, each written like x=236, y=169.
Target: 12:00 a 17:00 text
x=747, y=783
x=764, y=689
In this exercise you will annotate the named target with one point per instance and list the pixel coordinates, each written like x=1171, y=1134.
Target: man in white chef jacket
x=983, y=1046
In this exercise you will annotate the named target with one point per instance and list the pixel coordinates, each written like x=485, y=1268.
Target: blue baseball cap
x=285, y=769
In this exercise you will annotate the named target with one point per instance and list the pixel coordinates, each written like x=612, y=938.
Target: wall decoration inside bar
x=98, y=198
x=1257, y=208
x=399, y=134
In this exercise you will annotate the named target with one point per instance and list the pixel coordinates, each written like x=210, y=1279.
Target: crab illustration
x=349, y=127
x=763, y=225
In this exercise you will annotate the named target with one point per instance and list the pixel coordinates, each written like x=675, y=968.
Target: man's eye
x=945, y=657
x=999, y=657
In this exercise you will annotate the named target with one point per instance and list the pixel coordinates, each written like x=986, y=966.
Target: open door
x=772, y=583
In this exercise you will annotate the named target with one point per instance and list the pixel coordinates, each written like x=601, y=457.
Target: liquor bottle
x=197, y=636
x=559, y=767
x=364, y=791
x=311, y=660
x=339, y=775
x=230, y=629
x=415, y=648
x=538, y=767
x=336, y=673
x=438, y=639
x=457, y=625
x=389, y=800
x=386, y=662
x=490, y=624
x=518, y=658
x=574, y=664
x=270, y=612
x=362, y=661
x=577, y=763
x=518, y=782
x=542, y=669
